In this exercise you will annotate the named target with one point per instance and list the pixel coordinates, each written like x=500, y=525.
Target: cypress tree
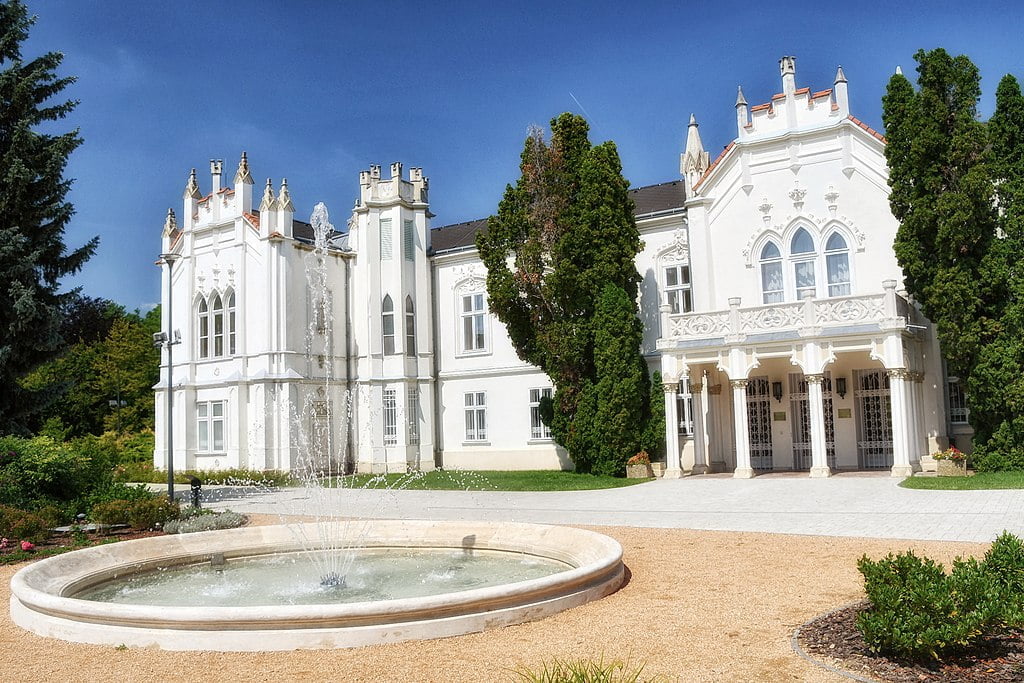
x=33, y=212
x=568, y=230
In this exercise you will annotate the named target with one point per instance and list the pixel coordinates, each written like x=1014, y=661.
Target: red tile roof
x=253, y=219
x=760, y=107
x=868, y=128
x=821, y=93
x=713, y=164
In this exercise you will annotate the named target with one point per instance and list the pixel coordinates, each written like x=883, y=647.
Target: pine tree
x=33, y=212
x=567, y=227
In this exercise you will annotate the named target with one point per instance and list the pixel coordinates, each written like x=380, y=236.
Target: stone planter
x=951, y=468
x=639, y=471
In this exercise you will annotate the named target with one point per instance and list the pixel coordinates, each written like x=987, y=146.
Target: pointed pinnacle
x=693, y=120
x=740, y=100
x=840, y=76
x=899, y=70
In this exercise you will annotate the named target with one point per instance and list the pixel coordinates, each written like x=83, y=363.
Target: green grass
x=981, y=480
x=456, y=480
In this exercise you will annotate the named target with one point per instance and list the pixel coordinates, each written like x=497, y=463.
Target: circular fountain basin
x=42, y=602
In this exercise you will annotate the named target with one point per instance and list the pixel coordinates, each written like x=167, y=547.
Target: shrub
x=144, y=514
x=111, y=512
x=43, y=469
x=918, y=612
x=22, y=525
x=1004, y=562
x=211, y=522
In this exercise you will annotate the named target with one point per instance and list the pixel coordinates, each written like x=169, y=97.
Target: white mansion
x=771, y=300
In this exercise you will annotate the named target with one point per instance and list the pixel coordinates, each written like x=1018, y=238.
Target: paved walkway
x=863, y=505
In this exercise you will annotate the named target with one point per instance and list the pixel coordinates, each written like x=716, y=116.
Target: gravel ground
x=698, y=606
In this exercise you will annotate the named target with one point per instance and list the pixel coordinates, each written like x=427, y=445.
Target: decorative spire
x=284, y=198
x=242, y=175
x=899, y=70
x=840, y=76
x=170, y=223
x=741, y=101
x=695, y=160
x=192, y=187
x=268, y=203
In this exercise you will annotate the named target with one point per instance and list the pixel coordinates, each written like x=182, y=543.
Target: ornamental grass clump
x=918, y=612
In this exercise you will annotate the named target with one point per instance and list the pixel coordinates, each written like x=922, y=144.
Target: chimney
x=787, y=66
x=216, y=167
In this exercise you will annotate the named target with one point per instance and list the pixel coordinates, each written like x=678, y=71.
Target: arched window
x=772, y=290
x=802, y=254
x=204, y=329
x=231, y=323
x=837, y=265
x=217, y=315
x=388, y=325
x=410, y=327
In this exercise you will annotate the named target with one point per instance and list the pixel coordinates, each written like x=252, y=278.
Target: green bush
x=146, y=473
x=211, y=522
x=920, y=613
x=111, y=512
x=144, y=514
x=1004, y=562
x=43, y=470
x=22, y=525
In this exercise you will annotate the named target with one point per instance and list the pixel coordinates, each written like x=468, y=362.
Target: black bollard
x=197, y=489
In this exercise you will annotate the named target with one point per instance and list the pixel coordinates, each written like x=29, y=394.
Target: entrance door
x=799, y=404
x=759, y=420
x=874, y=419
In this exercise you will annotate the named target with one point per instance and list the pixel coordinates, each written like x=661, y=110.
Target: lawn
x=981, y=480
x=456, y=480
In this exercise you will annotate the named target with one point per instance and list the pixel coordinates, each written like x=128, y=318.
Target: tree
x=128, y=366
x=33, y=212
x=562, y=235
x=956, y=190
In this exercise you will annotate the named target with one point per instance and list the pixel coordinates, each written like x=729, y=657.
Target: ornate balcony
x=834, y=316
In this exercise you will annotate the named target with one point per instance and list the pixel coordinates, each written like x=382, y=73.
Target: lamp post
x=168, y=339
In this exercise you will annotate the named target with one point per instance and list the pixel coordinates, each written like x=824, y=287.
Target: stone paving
x=862, y=505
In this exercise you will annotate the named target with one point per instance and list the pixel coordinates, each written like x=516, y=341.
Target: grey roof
x=651, y=199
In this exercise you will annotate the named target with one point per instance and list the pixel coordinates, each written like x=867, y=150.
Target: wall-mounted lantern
x=777, y=391
x=841, y=386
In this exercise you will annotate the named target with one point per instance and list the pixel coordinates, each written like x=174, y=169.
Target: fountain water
x=135, y=593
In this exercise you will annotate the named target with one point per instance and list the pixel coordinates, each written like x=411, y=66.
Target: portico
x=818, y=386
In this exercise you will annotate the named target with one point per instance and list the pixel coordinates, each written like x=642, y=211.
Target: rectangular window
x=231, y=331
x=677, y=289
x=204, y=335
x=958, y=412
x=473, y=337
x=390, y=418
x=476, y=416
x=210, y=426
x=538, y=430
x=684, y=407
x=412, y=408
x=409, y=240
x=385, y=239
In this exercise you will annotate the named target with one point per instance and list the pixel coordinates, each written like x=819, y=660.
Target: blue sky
x=317, y=91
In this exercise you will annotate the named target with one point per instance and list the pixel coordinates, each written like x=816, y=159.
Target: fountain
x=308, y=585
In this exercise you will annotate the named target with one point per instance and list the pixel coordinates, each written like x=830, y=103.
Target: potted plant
x=951, y=462
x=639, y=466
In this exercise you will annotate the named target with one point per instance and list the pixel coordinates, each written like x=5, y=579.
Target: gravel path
x=699, y=606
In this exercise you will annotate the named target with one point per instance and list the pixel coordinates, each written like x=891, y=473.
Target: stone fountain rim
x=39, y=592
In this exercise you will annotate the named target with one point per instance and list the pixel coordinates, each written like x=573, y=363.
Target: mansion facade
x=771, y=300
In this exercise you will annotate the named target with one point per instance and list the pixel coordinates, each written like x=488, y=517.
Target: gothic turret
x=694, y=160
x=243, y=186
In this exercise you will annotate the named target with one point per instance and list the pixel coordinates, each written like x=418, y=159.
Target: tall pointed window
x=772, y=289
x=803, y=257
x=231, y=323
x=410, y=327
x=388, y=325
x=204, y=329
x=837, y=265
x=217, y=317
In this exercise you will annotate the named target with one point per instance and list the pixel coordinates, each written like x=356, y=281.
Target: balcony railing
x=807, y=318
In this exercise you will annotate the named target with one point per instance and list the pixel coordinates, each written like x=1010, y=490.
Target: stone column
x=898, y=402
x=816, y=411
x=742, y=429
x=700, y=458
x=673, y=470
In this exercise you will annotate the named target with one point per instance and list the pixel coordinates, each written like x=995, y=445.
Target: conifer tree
x=33, y=211
x=568, y=231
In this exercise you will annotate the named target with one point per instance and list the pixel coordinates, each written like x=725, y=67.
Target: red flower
x=27, y=546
